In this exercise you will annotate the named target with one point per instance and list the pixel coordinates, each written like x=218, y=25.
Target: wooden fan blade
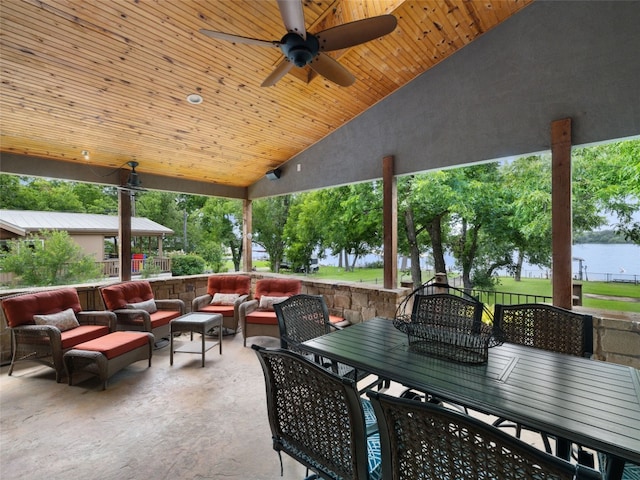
x=355, y=33
x=332, y=70
x=228, y=37
x=293, y=16
x=281, y=70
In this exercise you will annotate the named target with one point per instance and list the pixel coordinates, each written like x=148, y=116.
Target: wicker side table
x=200, y=323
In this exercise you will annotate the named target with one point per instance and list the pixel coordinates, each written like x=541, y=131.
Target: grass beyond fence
x=602, y=295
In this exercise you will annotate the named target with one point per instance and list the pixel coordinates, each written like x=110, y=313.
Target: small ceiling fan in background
x=301, y=48
x=133, y=182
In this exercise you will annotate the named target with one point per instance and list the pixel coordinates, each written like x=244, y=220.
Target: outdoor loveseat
x=137, y=309
x=257, y=316
x=44, y=325
x=225, y=294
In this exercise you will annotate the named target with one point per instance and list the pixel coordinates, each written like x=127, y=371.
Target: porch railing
x=111, y=267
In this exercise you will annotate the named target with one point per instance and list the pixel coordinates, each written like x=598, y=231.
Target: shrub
x=49, y=258
x=189, y=264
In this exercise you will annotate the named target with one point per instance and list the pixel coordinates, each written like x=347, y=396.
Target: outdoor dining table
x=592, y=403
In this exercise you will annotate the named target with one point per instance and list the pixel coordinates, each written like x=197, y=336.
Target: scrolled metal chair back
x=428, y=442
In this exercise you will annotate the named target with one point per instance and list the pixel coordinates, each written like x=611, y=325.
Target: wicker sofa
x=137, y=309
x=225, y=294
x=43, y=328
x=257, y=316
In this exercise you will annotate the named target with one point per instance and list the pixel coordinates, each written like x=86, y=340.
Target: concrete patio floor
x=163, y=422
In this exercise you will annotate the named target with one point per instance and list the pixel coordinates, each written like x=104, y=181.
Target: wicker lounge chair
x=138, y=310
x=40, y=332
x=224, y=295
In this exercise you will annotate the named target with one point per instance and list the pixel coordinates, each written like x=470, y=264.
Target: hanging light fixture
x=134, y=180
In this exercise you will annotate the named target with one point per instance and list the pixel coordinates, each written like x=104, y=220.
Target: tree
x=269, y=219
x=221, y=223
x=49, y=258
x=304, y=229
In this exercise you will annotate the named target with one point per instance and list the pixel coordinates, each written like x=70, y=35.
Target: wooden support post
x=247, y=227
x=124, y=234
x=561, y=221
x=390, y=223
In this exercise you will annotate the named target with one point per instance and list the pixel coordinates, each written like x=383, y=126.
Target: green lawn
x=530, y=286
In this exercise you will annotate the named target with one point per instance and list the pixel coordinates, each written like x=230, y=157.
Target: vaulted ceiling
x=112, y=78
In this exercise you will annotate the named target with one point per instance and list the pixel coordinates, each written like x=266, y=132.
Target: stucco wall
x=616, y=334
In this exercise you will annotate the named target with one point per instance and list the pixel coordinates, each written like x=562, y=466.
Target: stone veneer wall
x=616, y=334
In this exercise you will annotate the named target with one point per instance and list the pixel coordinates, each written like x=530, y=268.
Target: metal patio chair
x=428, y=442
x=317, y=418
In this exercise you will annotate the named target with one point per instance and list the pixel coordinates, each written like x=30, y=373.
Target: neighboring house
x=88, y=230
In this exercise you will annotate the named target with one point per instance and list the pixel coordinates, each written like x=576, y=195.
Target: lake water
x=600, y=262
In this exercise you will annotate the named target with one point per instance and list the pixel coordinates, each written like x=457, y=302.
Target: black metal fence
x=489, y=297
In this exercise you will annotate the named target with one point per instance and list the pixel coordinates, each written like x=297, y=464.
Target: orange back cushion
x=117, y=296
x=240, y=284
x=21, y=309
x=277, y=287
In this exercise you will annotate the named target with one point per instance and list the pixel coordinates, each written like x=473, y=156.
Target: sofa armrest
x=108, y=319
x=199, y=302
x=171, y=304
x=128, y=315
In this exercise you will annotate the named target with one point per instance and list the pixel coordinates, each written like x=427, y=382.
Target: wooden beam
x=247, y=227
x=390, y=222
x=561, y=224
x=124, y=234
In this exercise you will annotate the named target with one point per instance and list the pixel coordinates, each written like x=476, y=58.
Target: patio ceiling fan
x=301, y=48
x=133, y=183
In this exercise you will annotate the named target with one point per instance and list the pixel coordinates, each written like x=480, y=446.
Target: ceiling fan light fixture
x=133, y=180
x=298, y=50
x=194, y=99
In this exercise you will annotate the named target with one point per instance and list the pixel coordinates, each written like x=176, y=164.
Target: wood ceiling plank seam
x=235, y=19
x=448, y=37
x=457, y=18
x=144, y=51
x=206, y=44
x=171, y=131
x=112, y=86
x=426, y=38
x=373, y=57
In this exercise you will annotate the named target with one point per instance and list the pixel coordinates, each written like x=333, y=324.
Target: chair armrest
x=108, y=319
x=199, y=302
x=239, y=300
x=39, y=331
x=248, y=307
x=171, y=304
x=128, y=315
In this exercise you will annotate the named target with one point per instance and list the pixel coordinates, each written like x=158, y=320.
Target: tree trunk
x=518, y=272
x=435, y=232
x=410, y=227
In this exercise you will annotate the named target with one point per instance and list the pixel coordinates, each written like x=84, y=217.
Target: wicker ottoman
x=108, y=354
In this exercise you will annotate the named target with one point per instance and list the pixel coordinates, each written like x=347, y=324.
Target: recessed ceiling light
x=194, y=99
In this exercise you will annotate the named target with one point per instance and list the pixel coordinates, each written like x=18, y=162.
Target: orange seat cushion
x=159, y=318
x=335, y=319
x=224, y=310
x=116, y=343
x=81, y=334
x=262, y=318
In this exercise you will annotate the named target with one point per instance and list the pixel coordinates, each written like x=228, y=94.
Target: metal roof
x=23, y=222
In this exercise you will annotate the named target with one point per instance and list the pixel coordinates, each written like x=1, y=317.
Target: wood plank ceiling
x=111, y=77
